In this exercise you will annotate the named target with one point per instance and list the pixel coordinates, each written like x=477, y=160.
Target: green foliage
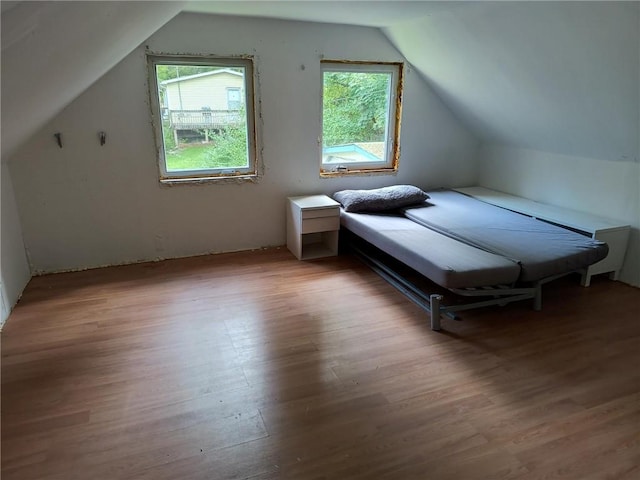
x=167, y=136
x=169, y=72
x=354, y=107
x=226, y=149
x=186, y=157
x=229, y=148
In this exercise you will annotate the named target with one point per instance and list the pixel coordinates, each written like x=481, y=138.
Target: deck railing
x=203, y=119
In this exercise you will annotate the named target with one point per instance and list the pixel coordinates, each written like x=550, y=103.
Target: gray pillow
x=380, y=199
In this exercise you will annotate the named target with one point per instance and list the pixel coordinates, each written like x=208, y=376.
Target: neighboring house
x=208, y=101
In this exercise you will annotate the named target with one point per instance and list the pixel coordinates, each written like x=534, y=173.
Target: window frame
x=394, y=115
x=249, y=173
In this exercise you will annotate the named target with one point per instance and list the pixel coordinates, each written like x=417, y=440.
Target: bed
x=488, y=254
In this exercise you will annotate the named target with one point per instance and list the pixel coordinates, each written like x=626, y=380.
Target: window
x=361, y=106
x=233, y=98
x=204, y=117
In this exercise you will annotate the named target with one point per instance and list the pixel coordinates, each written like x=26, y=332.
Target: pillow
x=380, y=199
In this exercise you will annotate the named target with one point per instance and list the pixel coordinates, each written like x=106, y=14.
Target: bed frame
x=483, y=275
x=433, y=303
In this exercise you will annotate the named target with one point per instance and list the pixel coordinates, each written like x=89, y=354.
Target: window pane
x=355, y=116
x=204, y=121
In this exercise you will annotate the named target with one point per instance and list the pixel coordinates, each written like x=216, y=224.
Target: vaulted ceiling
x=53, y=51
x=561, y=77
x=554, y=76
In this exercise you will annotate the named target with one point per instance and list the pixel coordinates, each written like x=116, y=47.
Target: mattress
x=444, y=260
x=541, y=249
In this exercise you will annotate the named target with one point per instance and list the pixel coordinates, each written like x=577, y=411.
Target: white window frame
x=251, y=172
x=392, y=127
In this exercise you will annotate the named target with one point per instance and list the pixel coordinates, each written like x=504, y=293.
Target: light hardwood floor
x=255, y=365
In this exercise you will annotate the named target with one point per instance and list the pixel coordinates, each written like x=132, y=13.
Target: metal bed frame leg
x=537, y=299
x=434, y=301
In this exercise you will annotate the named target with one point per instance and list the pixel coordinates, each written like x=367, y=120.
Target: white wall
x=85, y=205
x=606, y=188
x=15, y=272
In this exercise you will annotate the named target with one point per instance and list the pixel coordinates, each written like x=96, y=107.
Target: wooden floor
x=256, y=365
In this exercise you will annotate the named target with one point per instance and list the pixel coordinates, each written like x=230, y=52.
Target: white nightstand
x=313, y=223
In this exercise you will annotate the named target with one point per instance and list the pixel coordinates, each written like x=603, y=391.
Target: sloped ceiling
x=377, y=13
x=560, y=77
x=555, y=76
x=53, y=51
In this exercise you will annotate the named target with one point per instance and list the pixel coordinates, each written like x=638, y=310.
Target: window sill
x=349, y=173
x=249, y=178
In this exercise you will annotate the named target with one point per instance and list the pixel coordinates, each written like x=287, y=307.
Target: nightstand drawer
x=321, y=212
x=320, y=224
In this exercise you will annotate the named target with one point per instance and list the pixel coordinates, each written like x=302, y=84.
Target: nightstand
x=313, y=223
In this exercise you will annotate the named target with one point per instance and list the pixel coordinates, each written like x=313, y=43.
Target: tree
x=169, y=72
x=229, y=148
x=229, y=145
x=354, y=107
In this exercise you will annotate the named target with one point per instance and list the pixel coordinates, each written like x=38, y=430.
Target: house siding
x=202, y=93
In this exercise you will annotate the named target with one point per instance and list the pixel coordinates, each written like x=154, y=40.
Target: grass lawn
x=198, y=156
